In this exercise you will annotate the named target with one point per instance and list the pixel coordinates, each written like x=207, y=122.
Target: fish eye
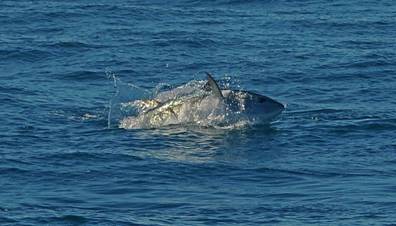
x=262, y=100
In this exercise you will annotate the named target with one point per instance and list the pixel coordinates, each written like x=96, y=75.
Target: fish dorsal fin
x=212, y=86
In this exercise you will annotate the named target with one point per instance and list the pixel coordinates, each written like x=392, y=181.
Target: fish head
x=257, y=106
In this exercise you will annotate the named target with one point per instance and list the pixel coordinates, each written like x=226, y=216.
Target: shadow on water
x=193, y=144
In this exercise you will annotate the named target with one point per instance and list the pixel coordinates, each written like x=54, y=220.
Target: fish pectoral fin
x=173, y=113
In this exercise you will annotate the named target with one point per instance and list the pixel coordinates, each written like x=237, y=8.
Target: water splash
x=124, y=92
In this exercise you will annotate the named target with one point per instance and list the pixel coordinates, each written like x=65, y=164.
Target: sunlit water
x=329, y=160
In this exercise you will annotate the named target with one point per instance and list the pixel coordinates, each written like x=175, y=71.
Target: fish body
x=210, y=107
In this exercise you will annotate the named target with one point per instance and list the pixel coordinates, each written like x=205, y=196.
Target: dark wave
x=25, y=55
x=69, y=219
x=187, y=42
x=16, y=90
x=14, y=170
x=75, y=45
x=84, y=156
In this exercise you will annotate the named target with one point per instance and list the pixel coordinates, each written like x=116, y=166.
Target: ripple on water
x=330, y=159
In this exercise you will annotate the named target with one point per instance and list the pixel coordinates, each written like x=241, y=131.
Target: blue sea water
x=329, y=160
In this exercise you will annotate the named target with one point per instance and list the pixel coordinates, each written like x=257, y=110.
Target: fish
x=207, y=106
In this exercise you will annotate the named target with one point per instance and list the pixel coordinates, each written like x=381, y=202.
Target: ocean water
x=329, y=160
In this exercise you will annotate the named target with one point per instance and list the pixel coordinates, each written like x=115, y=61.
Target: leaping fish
x=211, y=105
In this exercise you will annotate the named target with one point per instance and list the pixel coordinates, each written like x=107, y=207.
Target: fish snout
x=279, y=106
x=275, y=106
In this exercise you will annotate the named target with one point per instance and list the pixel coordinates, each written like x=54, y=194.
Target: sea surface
x=329, y=160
